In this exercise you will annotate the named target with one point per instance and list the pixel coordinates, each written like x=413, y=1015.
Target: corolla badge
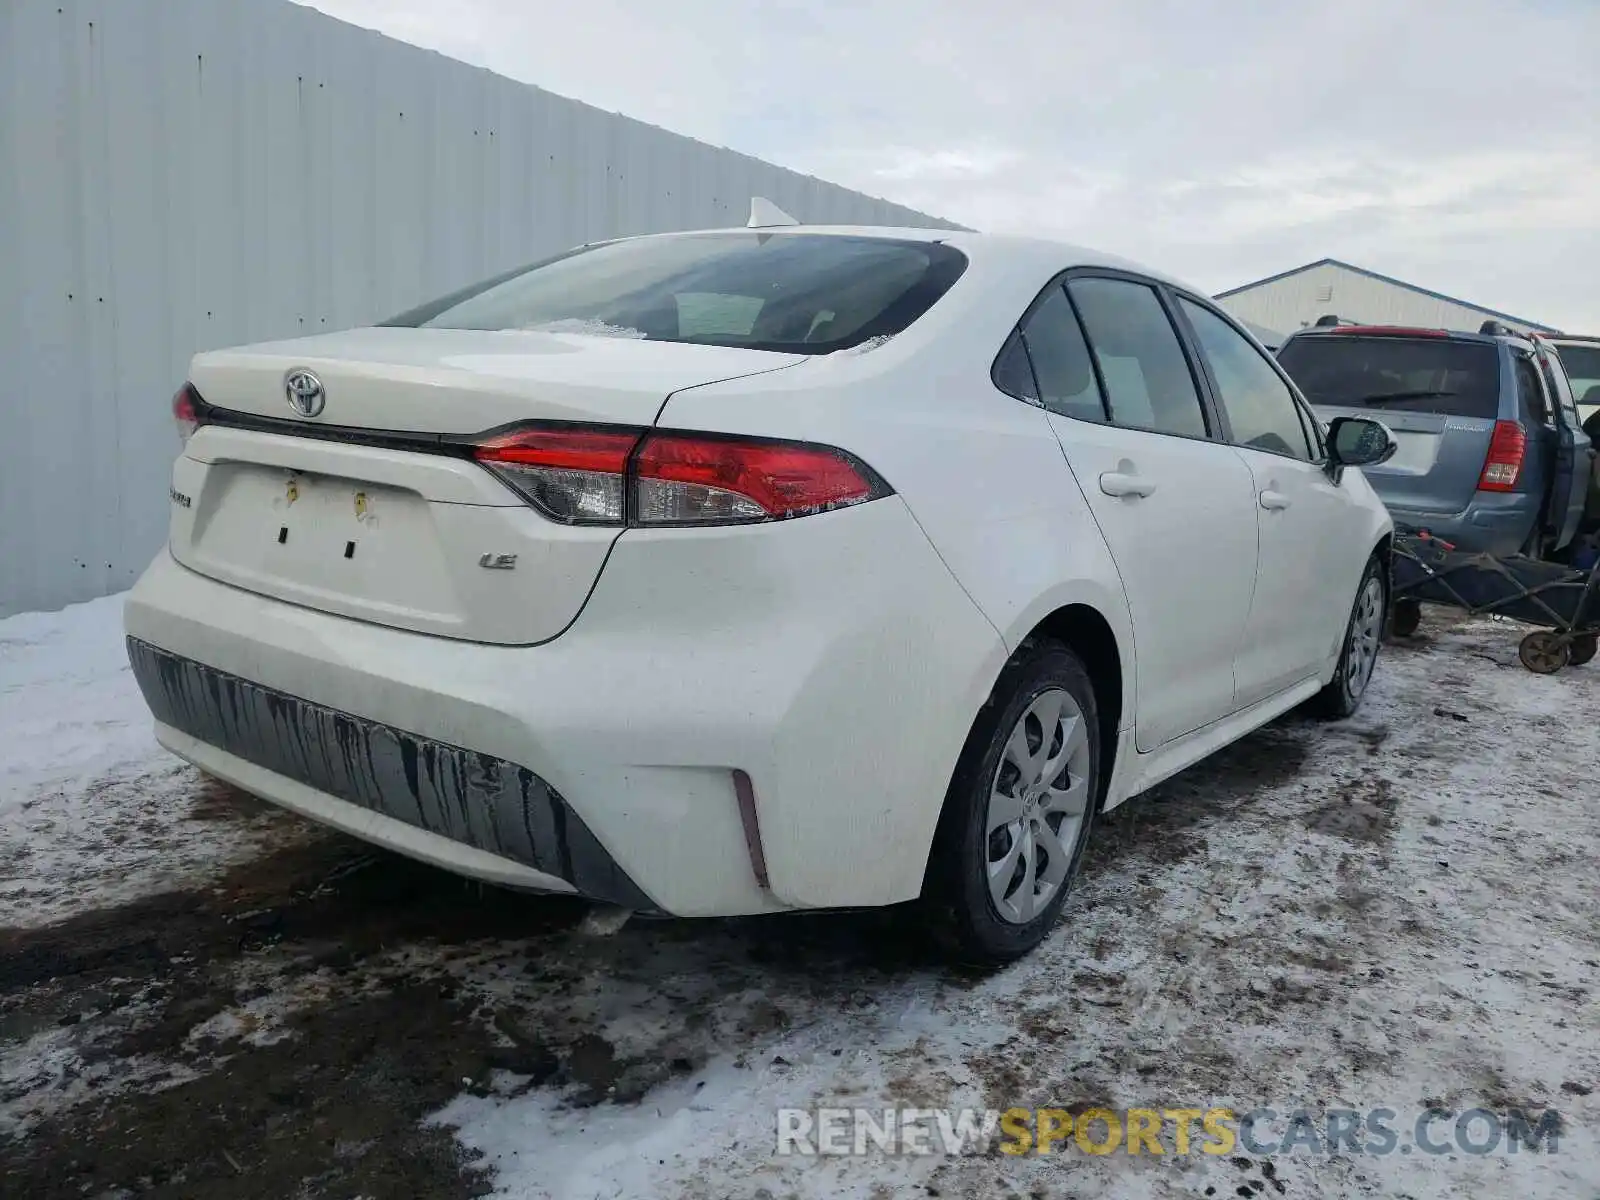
x=305, y=392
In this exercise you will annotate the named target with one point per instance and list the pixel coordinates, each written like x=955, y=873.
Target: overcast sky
x=1452, y=143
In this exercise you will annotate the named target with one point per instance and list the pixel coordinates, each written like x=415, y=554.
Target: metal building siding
x=177, y=175
x=1297, y=300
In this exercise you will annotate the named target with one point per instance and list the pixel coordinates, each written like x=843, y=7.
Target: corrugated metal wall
x=1297, y=300
x=177, y=175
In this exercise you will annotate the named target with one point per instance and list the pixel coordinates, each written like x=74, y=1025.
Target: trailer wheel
x=1583, y=648
x=1405, y=618
x=1544, y=653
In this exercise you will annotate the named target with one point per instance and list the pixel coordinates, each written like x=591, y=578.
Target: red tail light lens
x=564, y=449
x=1502, y=467
x=576, y=476
x=687, y=480
x=610, y=476
x=186, y=409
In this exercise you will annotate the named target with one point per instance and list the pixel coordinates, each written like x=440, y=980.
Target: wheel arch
x=1384, y=553
x=1384, y=550
x=1107, y=658
x=1088, y=634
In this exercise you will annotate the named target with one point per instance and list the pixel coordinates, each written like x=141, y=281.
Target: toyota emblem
x=305, y=393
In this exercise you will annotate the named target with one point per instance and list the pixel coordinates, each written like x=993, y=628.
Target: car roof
x=996, y=249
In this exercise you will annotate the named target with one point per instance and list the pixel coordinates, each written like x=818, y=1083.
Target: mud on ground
x=285, y=1030
x=325, y=1100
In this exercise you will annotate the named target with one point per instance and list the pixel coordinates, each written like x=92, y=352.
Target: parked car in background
x=759, y=570
x=1581, y=358
x=1491, y=454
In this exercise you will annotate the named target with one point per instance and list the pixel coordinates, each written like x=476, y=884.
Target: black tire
x=1544, y=653
x=1583, y=649
x=1405, y=617
x=1345, y=691
x=965, y=918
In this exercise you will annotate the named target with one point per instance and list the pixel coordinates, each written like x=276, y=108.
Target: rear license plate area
x=307, y=536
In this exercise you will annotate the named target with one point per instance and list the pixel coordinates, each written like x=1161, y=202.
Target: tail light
x=1503, y=465
x=609, y=476
x=687, y=480
x=577, y=476
x=186, y=409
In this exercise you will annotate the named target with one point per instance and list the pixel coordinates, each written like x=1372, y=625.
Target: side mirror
x=1359, y=442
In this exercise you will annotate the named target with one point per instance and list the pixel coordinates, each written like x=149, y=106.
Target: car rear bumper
x=1493, y=523
x=411, y=792
x=832, y=661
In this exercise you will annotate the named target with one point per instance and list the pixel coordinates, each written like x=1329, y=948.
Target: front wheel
x=1359, y=654
x=1583, y=649
x=1019, y=809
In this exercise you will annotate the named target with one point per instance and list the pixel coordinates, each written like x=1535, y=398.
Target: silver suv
x=1492, y=454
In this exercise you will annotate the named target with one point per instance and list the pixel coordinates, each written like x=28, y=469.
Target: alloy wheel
x=1037, y=802
x=1366, y=631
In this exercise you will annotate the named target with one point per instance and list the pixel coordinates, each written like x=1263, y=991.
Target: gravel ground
x=202, y=997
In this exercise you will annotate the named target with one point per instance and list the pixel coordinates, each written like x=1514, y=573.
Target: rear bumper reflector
x=471, y=798
x=745, y=792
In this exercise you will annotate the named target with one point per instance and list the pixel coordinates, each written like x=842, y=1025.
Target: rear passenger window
x=1013, y=374
x=1531, y=391
x=1061, y=361
x=1262, y=411
x=1147, y=377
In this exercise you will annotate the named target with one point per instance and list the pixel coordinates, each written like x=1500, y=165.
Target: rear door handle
x=1117, y=483
x=1274, y=501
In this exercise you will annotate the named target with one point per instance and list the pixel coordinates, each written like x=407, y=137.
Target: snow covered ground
x=1399, y=911
x=92, y=811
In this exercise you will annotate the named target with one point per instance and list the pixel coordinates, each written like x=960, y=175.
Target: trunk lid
x=389, y=532
x=469, y=380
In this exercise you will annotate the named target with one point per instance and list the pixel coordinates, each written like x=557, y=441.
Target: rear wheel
x=1019, y=809
x=1583, y=649
x=1359, y=656
x=1544, y=653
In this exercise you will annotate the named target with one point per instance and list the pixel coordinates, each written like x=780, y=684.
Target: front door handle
x=1117, y=483
x=1274, y=501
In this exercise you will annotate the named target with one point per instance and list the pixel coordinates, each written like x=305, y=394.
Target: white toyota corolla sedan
x=759, y=570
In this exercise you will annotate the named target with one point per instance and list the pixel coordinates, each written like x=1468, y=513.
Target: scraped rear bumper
x=307, y=754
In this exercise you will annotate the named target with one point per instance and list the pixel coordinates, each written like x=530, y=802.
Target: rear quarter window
x=1531, y=392
x=1396, y=374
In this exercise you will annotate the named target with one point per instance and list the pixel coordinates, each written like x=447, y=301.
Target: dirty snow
x=92, y=811
x=1395, y=911
x=1391, y=912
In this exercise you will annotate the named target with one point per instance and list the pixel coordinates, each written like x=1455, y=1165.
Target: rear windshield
x=796, y=292
x=1396, y=374
x=1582, y=365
